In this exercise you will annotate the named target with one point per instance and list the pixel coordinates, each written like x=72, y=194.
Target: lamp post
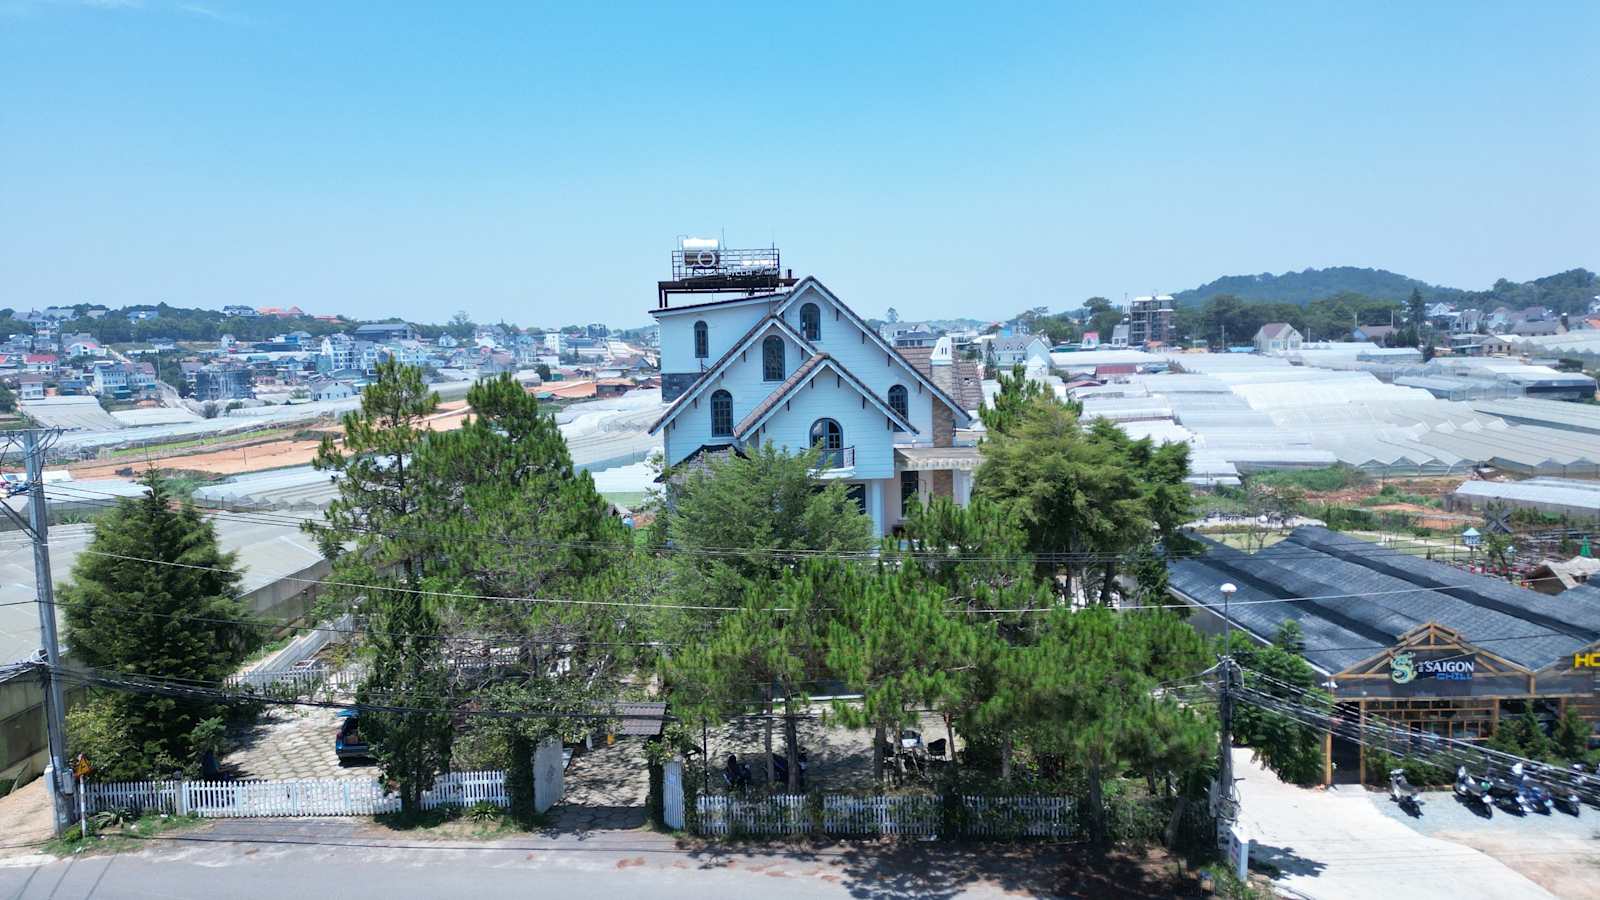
x=1225, y=713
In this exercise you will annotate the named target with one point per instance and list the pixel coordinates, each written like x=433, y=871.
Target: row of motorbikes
x=1519, y=789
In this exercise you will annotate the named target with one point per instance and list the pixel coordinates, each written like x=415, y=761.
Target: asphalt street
x=349, y=859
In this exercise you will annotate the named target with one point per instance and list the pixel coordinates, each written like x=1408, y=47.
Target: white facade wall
x=877, y=368
x=692, y=428
x=724, y=326
x=827, y=395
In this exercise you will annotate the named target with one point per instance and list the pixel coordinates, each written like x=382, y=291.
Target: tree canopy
x=153, y=595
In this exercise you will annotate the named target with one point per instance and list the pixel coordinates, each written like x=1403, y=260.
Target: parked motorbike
x=1508, y=792
x=780, y=768
x=1533, y=791
x=1473, y=790
x=1579, y=784
x=735, y=774
x=1586, y=783
x=1404, y=792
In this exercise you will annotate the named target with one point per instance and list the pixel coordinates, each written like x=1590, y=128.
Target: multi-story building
x=214, y=382
x=338, y=352
x=799, y=369
x=1150, y=320
x=241, y=312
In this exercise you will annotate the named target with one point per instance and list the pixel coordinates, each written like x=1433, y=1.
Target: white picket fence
x=289, y=797
x=887, y=815
x=1017, y=816
x=777, y=814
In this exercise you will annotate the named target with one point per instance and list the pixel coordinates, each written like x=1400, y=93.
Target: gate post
x=672, y=794
x=547, y=773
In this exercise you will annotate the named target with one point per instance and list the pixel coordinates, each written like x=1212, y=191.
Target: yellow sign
x=81, y=767
x=1590, y=660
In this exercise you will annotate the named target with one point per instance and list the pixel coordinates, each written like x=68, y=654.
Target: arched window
x=899, y=403
x=702, y=344
x=827, y=435
x=772, y=359
x=721, y=414
x=811, y=322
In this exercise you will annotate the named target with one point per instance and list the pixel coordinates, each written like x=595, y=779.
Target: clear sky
x=535, y=162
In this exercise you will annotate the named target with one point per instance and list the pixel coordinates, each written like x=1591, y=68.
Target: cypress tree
x=153, y=595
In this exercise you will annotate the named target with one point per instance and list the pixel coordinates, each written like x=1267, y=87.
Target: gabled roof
x=805, y=373
x=1274, y=330
x=962, y=418
x=1018, y=342
x=722, y=363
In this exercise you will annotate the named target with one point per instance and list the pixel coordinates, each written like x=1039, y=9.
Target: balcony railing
x=841, y=458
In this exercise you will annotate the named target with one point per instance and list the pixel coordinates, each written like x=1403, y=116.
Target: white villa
x=799, y=369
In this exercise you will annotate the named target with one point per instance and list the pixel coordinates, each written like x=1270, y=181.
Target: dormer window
x=811, y=322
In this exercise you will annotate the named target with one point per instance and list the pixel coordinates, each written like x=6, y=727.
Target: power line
x=1085, y=557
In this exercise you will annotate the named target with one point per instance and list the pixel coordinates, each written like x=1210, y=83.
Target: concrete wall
x=22, y=726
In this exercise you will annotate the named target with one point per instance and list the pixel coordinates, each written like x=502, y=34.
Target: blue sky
x=535, y=162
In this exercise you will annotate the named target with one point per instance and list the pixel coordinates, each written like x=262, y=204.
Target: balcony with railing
x=837, y=458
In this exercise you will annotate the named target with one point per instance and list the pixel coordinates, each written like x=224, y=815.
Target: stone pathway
x=604, y=788
x=291, y=742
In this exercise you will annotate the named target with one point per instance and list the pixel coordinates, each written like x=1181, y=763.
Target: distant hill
x=1315, y=284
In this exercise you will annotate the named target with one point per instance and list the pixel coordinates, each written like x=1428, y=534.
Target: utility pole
x=1225, y=806
x=54, y=705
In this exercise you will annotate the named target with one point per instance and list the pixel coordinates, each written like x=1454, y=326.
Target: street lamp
x=1227, y=622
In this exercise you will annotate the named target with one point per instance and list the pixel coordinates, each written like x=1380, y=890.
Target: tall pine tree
x=153, y=595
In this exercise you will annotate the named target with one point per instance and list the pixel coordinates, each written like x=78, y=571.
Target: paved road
x=1337, y=844
x=346, y=859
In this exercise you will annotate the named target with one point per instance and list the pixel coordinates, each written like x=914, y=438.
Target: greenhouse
x=1261, y=413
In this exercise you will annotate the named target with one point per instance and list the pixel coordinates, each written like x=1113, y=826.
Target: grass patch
x=192, y=443
x=630, y=499
x=1331, y=478
x=128, y=835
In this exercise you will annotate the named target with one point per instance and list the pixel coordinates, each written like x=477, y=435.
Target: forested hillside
x=1315, y=284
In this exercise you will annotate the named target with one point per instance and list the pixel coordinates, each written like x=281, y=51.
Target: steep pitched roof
x=962, y=418
x=960, y=378
x=807, y=370
x=716, y=368
x=1274, y=330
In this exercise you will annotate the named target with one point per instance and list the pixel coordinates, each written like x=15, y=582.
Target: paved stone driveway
x=604, y=788
x=291, y=742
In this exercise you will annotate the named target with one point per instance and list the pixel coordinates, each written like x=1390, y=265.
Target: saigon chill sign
x=1405, y=668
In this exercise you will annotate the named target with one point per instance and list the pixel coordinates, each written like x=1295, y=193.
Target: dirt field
x=24, y=819
x=249, y=456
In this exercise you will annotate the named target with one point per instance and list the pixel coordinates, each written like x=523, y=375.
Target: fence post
x=547, y=773
x=182, y=800
x=672, y=794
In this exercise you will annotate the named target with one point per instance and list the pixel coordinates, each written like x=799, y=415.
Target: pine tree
x=377, y=492
x=1084, y=696
x=891, y=640
x=766, y=651
x=153, y=595
x=376, y=513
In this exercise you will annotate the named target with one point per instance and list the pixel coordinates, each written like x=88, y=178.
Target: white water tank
x=700, y=253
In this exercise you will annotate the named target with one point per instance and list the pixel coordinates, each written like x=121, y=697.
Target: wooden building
x=1428, y=647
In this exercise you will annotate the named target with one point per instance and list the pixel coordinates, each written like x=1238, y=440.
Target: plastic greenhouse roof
x=1553, y=491
x=1370, y=596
